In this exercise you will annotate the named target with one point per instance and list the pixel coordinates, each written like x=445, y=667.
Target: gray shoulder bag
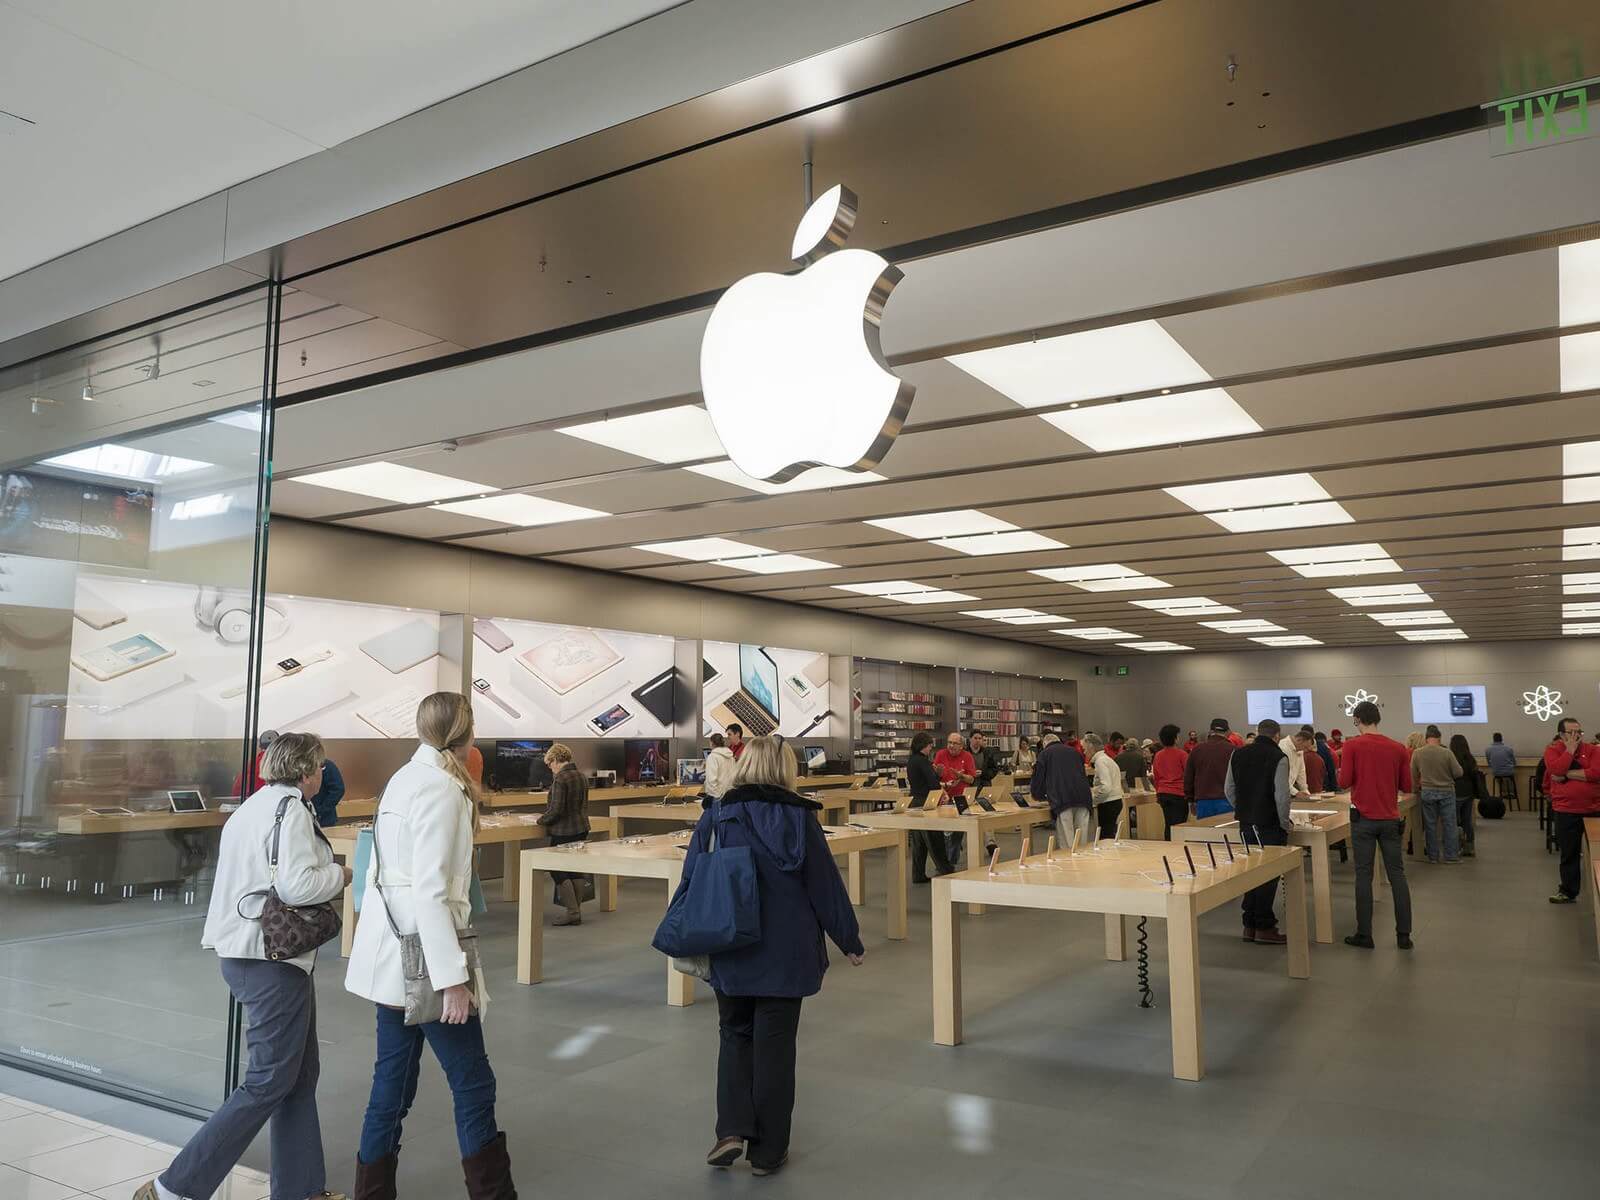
x=424, y=1004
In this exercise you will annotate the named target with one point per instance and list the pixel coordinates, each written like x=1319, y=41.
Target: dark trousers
x=1569, y=844
x=1257, y=902
x=459, y=1049
x=1464, y=821
x=1107, y=815
x=924, y=846
x=559, y=839
x=755, y=1073
x=1369, y=837
x=280, y=1085
x=1174, y=811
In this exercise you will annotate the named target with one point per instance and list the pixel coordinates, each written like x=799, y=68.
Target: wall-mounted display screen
x=1452, y=704
x=518, y=764
x=1287, y=706
x=157, y=660
x=766, y=689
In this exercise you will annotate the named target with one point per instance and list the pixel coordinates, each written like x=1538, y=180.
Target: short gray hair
x=292, y=757
x=1093, y=741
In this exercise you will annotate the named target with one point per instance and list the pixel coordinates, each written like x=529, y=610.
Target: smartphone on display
x=403, y=648
x=119, y=658
x=95, y=611
x=491, y=635
x=605, y=722
x=798, y=684
x=1461, y=704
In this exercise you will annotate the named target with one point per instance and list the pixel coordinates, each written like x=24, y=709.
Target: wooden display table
x=511, y=830
x=1120, y=880
x=977, y=824
x=661, y=857
x=139, y=822
x=1319, y=826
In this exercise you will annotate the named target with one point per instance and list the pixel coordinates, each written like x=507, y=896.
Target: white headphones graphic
x=226, y=613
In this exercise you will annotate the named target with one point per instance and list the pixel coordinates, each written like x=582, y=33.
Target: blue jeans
x=459, y=1049
x=1439, y=807
x=1211, y=808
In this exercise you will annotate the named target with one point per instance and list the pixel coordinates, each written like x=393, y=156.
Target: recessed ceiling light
x=1097, y=633
x=807, y=481
x=1187, y=606
x=1320, y=562
x=1423, y=616
x=890, y=587
x=703, y=549
x=935, y=597
x=1019, y=541
x=959, y=522
x=1138, y=357
x=393, y=482
x=1432, y=635
x=668, y=435
x=1582, y=629
x=1580, y=543
x=124, y=462
x=1581, y=584
x=775, y=564
x=1570, y=612
x=1578, y=265
x=197, y=507
x=1580, y=362
x=1379, y=594
x=519, y=509
x=1153, y=647
x=1018, y=616
x=1241, y=505
x=1287, y=639
x=1248, y=625
x=1102, y=577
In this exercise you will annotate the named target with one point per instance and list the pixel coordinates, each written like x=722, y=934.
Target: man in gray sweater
x=1434, y=771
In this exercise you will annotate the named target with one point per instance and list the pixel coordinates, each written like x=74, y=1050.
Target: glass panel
x=130, y=470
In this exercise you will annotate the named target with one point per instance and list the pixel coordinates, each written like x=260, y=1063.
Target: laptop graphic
x=754, y=707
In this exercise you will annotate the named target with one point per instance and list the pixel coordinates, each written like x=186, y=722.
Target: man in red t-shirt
x=734, y=735
x=1166, y=774
x=1572, y=777
x=1375, y=770
x=957, y=768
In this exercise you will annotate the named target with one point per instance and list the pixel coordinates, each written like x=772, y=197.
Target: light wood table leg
x=1183, y=970
x=347, y=934
x=975, y=858
x=946, y=967
x=605, y=887
x=897, y=855
x=1294, y=905
x=856, y=879
x=1116, y=938
x=530, y=925
x=1322, y=886
x=680, y=987
x=510, y=861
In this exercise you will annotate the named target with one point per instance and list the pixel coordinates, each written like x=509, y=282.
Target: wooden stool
x=1505, y=787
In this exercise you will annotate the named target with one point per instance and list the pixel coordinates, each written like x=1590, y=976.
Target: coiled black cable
x=1147, y=998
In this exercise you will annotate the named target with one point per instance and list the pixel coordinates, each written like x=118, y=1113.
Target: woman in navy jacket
x=759, y=987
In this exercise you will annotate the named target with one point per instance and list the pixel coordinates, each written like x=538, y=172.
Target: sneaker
x=726, y=1152
x=1452, y=862
x=1249, y=934
x=1563, y=898
x=1271, y=937
x=755, y=1170
x=1403, y=940
x=1469, y=852
x=1360, y=940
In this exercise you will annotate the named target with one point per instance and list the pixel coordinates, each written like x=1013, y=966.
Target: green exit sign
x=1122, y=670
x=1544, y=118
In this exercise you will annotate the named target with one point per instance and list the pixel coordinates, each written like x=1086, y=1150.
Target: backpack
x=1490, y=808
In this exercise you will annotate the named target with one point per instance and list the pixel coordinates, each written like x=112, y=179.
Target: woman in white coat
x=423, y=829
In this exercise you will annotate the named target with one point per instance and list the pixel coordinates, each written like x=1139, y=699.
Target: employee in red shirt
x=1572, y=774
x=957, y=768
x=1375, y=770
x=1166, y=773
x=734, y=735
x=1191, y=743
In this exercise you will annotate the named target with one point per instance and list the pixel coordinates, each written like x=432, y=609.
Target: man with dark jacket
x=1131, y=762
x=1060, y=780
x=984, y=759
x=326, y=802
x=1258, y=788
x=1205, y=775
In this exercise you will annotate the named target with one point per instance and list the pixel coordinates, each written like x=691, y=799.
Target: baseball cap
x=1219, y=724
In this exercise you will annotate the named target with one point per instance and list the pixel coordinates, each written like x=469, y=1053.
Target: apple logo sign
x=790, y=365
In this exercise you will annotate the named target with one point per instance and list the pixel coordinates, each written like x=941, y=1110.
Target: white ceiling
x=134, y=109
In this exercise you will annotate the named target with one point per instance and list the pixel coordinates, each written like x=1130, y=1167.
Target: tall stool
x=1505, y=787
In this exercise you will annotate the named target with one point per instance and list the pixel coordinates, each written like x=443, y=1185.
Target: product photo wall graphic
x=531, y=679
x=766, y=689
x=168, y=660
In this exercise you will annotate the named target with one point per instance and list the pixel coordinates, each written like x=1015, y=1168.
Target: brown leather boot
x=570, y=897
x=375, y=1180
x=488, y=1172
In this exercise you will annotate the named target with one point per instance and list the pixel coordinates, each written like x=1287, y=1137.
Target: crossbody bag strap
x=272, y=859
x=377, y=866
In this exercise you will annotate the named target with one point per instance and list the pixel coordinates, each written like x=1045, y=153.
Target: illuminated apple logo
x=791, y=367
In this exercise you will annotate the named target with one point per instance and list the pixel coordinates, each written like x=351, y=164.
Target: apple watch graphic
x=226, y=613
x=483, y=688
x=281, y=669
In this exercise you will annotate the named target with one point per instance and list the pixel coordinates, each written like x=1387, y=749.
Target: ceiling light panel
x=890, y=587
x=1581, y=584
x=1432, y=635
x=1571, y=612
x=1582, y=629
x=1187, y=606
x=1097, y=633
x=1018, y=616
x=1137, y=357
x=1154, y=647
x=1377, y=595
x=393, y=482
x=1102, y=577
x=813, y=480
x=1248, y=625
x=775, y=564
x=1019, y=541
x=1579, y=544
x=1425, y=616
x=1579, y=268
x=518, y=509
x=1275, y=502
x=1580, y=463
x=1287, y=639
x=1580, y=362
x=959, y=522
x=668, y=435
x=703, y=549
x=1320, y=562
x=935, y=597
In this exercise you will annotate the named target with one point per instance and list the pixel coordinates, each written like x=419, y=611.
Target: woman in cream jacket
x=423, y=829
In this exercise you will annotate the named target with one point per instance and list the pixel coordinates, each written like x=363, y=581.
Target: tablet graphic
x=569, y=660
x=658, y=696
x=403, y=648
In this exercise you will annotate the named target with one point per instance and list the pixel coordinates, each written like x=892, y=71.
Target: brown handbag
x=290, y=930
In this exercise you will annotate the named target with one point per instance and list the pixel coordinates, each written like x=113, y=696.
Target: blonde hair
x=444, y=721
x=291, y=757
x=559, y=752
x=767, y=761
x=1414, y=740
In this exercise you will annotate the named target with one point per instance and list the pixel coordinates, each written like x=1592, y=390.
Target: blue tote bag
x=717, y=910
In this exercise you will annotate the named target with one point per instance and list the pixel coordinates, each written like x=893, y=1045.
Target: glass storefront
x=129, y=553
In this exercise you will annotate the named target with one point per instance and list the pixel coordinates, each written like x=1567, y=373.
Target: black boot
x=375, y=1181
x=488, y=1172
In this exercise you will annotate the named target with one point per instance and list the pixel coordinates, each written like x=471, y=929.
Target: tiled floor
x=1463, y=1068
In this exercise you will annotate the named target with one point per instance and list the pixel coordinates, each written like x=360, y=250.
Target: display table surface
x=1121, y=880
x=511, y=830
x=139, y=822
x=1319, y=824
x=977, y=824
x=364, y=806
x=661, y=856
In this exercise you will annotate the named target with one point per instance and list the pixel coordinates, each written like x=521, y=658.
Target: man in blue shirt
x=326, y=802
x=1502, y=760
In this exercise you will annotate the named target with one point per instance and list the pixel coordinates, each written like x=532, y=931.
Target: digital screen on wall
x=758, y=687
x=1452, y=704
x=154, y=660
x=1286, y=706
x=50, y=517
